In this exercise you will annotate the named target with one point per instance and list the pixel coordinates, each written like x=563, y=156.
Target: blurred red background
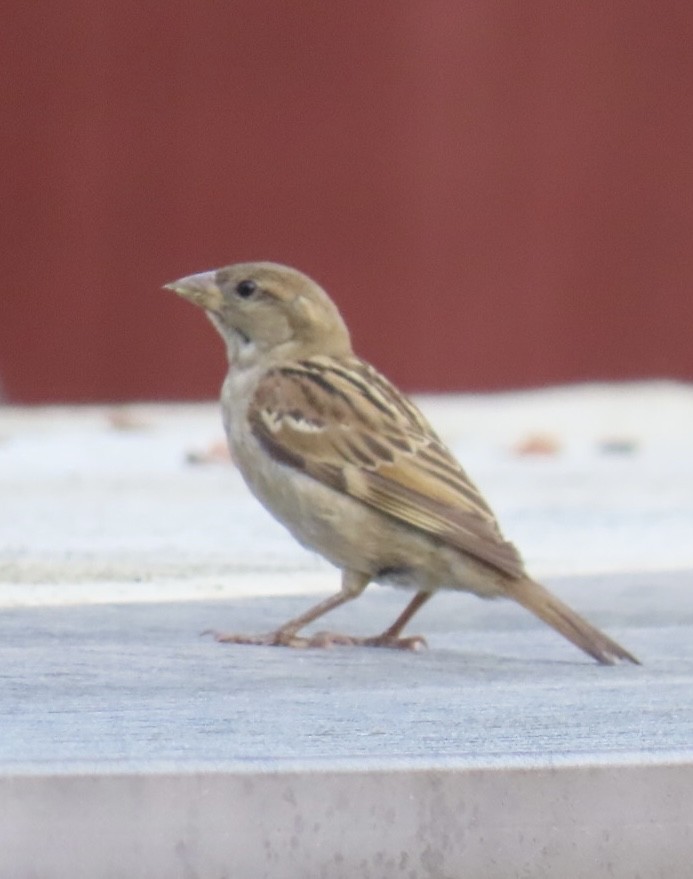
x=497, y=194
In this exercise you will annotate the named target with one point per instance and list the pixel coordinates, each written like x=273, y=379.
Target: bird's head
x=267, y=310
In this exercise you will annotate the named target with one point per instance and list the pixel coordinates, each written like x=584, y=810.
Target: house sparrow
x=350, y=466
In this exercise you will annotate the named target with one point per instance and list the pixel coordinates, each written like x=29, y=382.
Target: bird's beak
x=199, y=289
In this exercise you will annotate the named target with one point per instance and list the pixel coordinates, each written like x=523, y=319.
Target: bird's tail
x=571, y=625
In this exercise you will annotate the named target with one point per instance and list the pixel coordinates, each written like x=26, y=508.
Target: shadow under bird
x=351, y=466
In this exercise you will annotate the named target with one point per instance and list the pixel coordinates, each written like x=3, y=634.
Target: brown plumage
x=350, y=466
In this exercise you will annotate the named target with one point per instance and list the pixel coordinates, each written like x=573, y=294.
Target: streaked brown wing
x=345, y=425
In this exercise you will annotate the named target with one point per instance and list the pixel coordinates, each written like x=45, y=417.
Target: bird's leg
x=391, y=636
x=353, y=584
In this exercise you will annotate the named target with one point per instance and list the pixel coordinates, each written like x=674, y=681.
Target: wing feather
x=342, y=423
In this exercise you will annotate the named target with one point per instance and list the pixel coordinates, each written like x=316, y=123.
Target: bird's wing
x=342, y=423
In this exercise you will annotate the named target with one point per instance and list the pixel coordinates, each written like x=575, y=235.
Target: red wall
x=498, y=194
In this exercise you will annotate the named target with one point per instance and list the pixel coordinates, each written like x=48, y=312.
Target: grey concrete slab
x=118, y=684
x=445, y=822
x=131, y=746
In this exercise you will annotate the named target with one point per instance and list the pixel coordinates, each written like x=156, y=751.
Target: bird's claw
x=413, y=642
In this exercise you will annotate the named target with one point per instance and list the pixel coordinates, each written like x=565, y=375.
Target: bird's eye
x=245, y=289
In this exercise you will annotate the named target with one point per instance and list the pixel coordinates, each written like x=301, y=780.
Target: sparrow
x=351, y=467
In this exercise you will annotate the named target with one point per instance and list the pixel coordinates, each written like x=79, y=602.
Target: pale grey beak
x=200, y=289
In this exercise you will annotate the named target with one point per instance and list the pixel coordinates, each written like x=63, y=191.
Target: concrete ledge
x=576, y=822
x=500, y=752
x=118, y=684
x=130, y=746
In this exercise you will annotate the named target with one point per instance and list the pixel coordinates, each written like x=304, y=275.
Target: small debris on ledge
x=216, y=453
x=539, y=444
x=617, y=446
x=126, y=419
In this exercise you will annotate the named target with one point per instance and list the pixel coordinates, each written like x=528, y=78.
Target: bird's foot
x=329, y=639
x=278, y=638
x=324, y=640
x=413, y=642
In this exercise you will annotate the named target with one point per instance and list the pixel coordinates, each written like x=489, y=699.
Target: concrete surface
x=132, y=746
x=136, y=683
